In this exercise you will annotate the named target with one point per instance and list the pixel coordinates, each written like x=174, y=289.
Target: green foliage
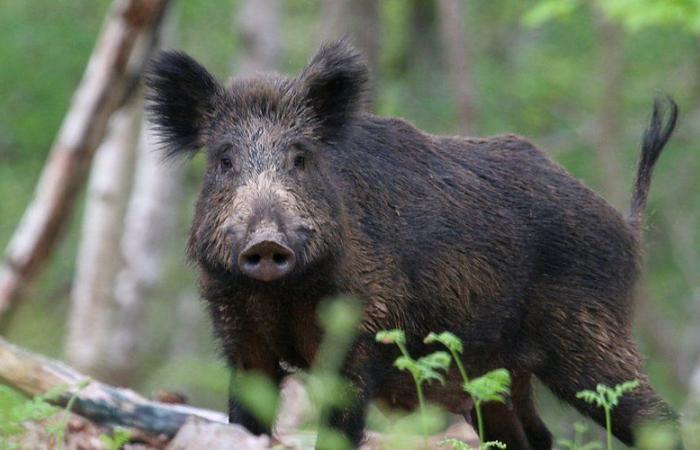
x=391, y=337
x=633, y=14
x=257, y=393
x=658, y=436
x=16, y=410
x=117, y=440
x=399, y=429
x=426, y=368
x=456, y=444
x=547, y=10
x=607, y=398
x=580, y=429
x=449, y=340
x=423, y=370
x=493, y=386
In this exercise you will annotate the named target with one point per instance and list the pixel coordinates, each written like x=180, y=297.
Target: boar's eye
x=299, y=161
x=225, y=164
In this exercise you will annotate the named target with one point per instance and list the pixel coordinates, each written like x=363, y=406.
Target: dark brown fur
x=487, y=238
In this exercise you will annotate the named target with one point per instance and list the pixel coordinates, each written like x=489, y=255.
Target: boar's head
x=269, y=208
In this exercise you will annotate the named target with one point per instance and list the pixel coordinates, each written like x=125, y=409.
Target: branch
x=124, y=45
x=106, y=405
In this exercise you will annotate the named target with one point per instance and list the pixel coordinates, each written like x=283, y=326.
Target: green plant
x=580, y=429
x=423, y=370
x=116, y=441
x=607, y=398
x=459, y=445
x=15, y=410
x=493, y=386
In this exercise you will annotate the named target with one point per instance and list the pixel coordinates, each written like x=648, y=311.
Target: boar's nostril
x=252, y=259
x=266, y=260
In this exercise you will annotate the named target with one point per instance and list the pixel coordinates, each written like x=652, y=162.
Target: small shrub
x=607, y=398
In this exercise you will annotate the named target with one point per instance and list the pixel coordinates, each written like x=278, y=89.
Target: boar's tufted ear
x=181, y=96
x=335, y=82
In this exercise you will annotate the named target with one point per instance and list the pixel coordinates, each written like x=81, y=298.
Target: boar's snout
x=266, y=257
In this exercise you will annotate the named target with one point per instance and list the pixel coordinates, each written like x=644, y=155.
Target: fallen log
x=117, y=61
x=106, y=405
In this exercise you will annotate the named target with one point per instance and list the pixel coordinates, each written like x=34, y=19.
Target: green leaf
x=492, y=386
x=257, y=393
x=330, y=438
x=590, y=397
x=339, y=317
x=436, y=360
x=449, y=340
x=455, y=444
x=405, y=363
x=391, y=337
x=119, y=437
x=548, y=10
x=492, y=444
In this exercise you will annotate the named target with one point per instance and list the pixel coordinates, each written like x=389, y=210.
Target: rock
x=197, y=434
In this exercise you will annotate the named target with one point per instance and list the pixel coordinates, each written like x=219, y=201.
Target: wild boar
x=306, y=196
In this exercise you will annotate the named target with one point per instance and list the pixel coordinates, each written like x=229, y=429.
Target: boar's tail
x=661, y=126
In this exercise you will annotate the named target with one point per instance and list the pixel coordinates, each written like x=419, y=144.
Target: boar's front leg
x=247, y=354
x=240, y=415
x=360, y=370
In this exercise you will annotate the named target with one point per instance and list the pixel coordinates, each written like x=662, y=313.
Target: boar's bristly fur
x=306, y=197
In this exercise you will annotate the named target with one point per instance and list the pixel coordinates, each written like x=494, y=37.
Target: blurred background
x=116, y=298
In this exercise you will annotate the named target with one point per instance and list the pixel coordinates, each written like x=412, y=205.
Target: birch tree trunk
x=257, y=23
x=122, y=49
x=358, y=19
x=611, y=66
x=150, y=219
x=457, y=51
x=99, y=255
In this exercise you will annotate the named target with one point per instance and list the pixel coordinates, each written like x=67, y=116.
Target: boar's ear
x=181, y=96
x=334, y=84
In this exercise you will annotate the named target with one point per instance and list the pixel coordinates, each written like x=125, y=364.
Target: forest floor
x=82, y=434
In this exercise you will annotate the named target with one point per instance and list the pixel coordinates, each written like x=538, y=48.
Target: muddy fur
x=487, y=238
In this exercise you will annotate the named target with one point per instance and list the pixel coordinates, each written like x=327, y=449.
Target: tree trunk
x=258, y=25
x=99, y=255
x=124, y=46
x=611, y=66
x=456, y=44
x=150, y=219
x=358, y=19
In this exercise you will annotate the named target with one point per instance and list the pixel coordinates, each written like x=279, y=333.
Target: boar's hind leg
x=581, y=355
x=523, y=402
x=501, y=423
x=517, y=424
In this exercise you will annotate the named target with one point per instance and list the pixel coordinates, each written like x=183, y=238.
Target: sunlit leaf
x=391, y=337
x=492, y=386
x=449, y=340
